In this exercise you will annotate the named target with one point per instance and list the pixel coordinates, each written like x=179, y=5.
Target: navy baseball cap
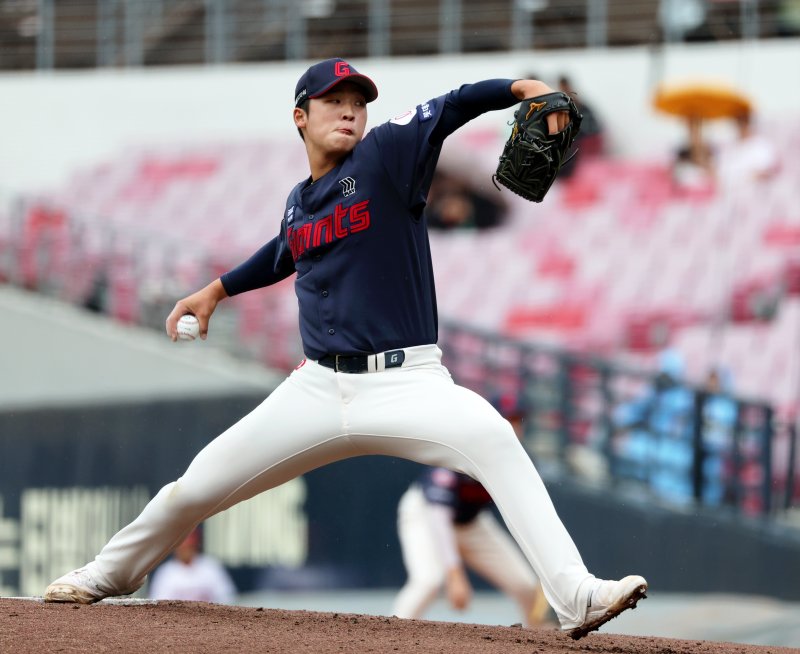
x=322, y=77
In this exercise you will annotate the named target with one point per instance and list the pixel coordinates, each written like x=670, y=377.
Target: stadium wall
x=70, y=477
x=55, y=121
x=64, y=355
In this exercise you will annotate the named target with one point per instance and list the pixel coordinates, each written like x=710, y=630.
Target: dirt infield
x=175, y=627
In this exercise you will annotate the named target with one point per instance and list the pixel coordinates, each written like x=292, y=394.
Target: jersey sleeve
x=470, y=101
x=402, y=146
x=272, y=263
x=408, y=146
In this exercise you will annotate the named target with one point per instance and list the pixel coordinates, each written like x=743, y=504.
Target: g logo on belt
x=394, y=359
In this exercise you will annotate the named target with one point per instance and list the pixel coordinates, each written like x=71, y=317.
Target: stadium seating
x=617, y=260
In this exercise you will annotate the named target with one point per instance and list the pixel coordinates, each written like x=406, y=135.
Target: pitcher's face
x=335, y=122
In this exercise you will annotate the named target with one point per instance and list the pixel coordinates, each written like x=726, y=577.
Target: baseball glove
x=532, y=157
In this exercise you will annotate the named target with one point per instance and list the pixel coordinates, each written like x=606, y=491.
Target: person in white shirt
x=192, y=576
x=751, y=157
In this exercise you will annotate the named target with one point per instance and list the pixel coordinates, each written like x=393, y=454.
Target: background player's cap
x=322, y=77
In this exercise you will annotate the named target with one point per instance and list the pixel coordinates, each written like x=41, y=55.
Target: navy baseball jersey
x=460, y=492
x=357, y=237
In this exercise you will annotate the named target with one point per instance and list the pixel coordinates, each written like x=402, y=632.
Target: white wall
x=58, y=354
x=53, y=122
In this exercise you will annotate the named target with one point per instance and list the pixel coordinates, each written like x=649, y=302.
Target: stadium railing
x=99, y=33
x=627, y=428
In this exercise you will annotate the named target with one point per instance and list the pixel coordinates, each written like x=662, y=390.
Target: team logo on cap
x=348, y=186
x=342, y=69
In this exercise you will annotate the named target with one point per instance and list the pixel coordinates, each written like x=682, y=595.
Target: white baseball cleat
x=77, y=587
x=608, y=600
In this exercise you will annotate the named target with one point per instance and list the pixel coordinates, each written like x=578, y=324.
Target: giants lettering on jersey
x=338, y=225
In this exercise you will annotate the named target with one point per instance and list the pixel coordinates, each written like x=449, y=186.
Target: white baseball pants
x=484, y=546
x=317, y=416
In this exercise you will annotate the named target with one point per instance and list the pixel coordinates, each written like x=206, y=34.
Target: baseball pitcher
x=354, y=236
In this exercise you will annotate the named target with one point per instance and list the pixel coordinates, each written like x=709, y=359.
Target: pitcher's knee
x=186, y=500
x=498, y=444
x=493, y=431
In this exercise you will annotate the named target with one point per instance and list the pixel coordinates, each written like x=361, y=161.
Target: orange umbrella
x=703, y=100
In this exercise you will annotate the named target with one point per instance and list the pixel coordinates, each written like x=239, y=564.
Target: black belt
x=358, y=363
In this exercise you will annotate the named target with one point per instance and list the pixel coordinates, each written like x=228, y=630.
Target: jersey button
x=324, y=293
x=331, y=331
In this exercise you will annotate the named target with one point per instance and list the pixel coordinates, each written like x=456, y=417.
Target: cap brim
x=366, y=84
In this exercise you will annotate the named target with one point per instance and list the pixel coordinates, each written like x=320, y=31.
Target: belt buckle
x=336, y=363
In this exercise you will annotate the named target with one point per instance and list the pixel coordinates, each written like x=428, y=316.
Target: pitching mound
x=174, y=627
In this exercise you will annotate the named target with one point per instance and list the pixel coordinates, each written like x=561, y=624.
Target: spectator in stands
x=693, y=165
x=719, y=422
x=683, y=20
x=192, y=576
x=97, y=298
x=454, y=204
x=749, y=158
x=591, y=138
x=654, y=442
x=451, y=208
x=590, y=141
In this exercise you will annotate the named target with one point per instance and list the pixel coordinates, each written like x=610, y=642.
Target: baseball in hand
x=188, y=328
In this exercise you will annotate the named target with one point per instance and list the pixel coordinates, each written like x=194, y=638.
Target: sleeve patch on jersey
x=403, y=119
x=425, y=111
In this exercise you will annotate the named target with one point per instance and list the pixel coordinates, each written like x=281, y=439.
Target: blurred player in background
x=192, y=576
x=445, y=524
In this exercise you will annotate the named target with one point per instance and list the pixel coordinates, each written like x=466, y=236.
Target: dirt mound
x=155, y=627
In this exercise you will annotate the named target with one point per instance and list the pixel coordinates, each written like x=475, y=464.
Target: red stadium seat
x=614, y=258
